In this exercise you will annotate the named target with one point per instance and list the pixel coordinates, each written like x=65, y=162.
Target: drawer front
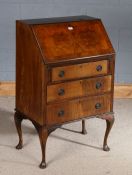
x=79, y=70
x=76, y=109
x=85, y=87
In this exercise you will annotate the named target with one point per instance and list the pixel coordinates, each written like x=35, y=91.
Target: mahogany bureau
x=64, y=73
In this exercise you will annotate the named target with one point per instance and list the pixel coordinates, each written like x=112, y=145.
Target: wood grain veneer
x=64, y=72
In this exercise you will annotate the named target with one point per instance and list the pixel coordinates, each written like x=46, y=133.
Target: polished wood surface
x=78, y=108
x=85, y=87
x=63, y=41
x=120, y=90
x=30, y=73
x=80, y=70
x=64, y=73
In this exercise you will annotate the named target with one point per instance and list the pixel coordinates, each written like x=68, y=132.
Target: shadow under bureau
x=64, y=73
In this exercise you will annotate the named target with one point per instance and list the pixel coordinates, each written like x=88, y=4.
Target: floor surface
x=68, y=152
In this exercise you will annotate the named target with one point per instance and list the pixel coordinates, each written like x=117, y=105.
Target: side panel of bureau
x=30, y=73
x=112, y=70
x=75, y=109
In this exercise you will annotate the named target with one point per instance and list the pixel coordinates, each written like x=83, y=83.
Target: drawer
x=78, y=88
x=76, y=109
x=79, y=70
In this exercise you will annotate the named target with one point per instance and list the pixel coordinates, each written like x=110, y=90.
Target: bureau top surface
x=58, y=19
x=70, y=38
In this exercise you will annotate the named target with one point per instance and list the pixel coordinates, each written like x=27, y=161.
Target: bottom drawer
x=75, y=109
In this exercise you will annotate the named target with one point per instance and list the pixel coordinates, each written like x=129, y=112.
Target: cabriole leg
x=84, y=131
x=109, y=123
x=43, y=135
x=18, y=120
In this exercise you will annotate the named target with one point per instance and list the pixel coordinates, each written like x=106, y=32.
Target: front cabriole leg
x=109, y=117
x=18, y=120
x=43, y=135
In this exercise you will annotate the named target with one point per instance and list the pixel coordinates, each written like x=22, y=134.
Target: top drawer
x=79, y=70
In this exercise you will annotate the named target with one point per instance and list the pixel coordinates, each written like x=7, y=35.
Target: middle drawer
x=79, y=88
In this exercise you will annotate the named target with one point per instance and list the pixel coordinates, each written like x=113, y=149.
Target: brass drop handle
x=98, y=85
x=61, y=92
x=98, y=105
x=61, y=74
x=61, y=113
x=99, y=68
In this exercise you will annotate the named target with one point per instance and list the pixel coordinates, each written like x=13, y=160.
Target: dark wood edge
x=64, y=19
x=80, y=60
x=112, y=67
